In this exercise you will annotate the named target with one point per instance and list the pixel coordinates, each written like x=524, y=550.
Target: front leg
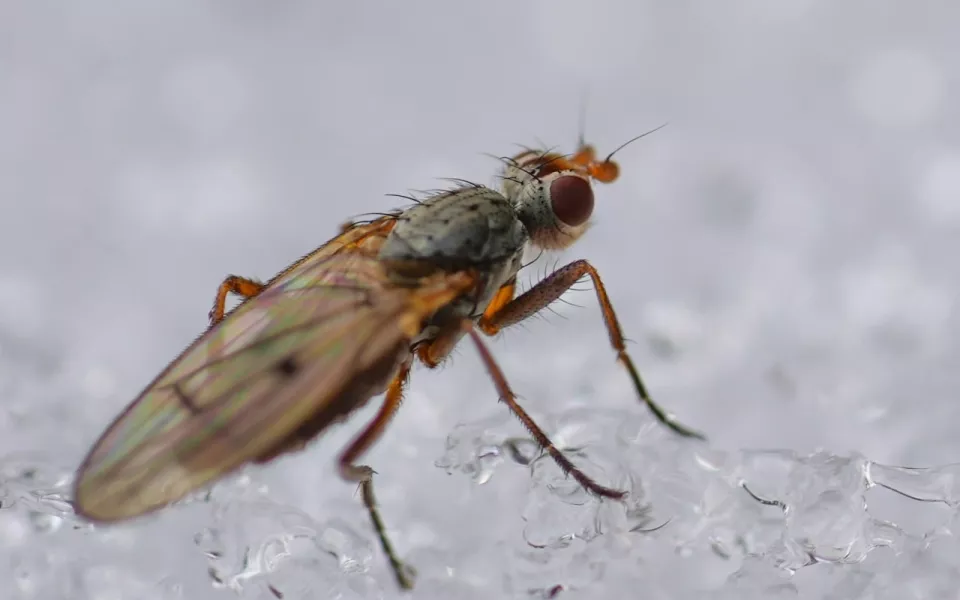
x=550, y=289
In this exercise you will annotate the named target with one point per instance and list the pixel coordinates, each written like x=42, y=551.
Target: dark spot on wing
x=185, y=400
x=287, y=367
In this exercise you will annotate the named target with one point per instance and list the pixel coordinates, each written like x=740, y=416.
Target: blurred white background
x=782, y=254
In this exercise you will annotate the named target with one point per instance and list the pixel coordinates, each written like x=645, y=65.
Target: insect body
x=344, y=324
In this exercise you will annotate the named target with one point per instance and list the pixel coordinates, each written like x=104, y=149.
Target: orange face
x=583, y=161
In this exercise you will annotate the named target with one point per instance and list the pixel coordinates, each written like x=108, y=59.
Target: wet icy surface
x=698, y=522
x=782, y=257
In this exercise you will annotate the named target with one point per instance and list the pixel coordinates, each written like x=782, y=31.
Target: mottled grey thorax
x=470, y=227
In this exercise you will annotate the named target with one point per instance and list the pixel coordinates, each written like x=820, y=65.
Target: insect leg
x=238, y=285
x=502, y=298
x=363, y=474
x=550, y=289
x=508, y=397
x=434, y=352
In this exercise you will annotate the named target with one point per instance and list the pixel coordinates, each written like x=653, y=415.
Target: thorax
x=472, y=228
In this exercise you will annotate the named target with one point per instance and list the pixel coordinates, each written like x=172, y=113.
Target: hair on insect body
x=345, y=323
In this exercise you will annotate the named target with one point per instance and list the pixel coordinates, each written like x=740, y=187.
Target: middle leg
x=508, y=397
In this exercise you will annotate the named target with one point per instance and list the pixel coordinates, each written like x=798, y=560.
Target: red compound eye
x=571, y=198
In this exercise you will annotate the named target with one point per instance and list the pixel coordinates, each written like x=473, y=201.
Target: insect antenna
x=628, y=142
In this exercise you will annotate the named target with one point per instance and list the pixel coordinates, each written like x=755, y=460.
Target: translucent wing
x=329, y=324
x=364, y=238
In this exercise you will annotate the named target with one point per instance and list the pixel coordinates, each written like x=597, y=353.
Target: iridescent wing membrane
x=241, y=391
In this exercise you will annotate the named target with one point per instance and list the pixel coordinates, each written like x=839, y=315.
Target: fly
x=345, y=323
